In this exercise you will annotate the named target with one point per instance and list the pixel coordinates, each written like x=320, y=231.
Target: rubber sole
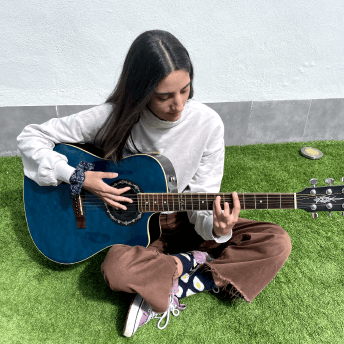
x=134, y=315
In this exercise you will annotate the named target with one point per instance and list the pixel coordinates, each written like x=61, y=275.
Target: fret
x=280, y=201
x=267, y=201
x=255, y=204
x=185, y=202
x=164, y=203
x=206, y=201
x=173, y=202
x=154, y=203
x=191, y=203
x=149, y=203
x=199, y=201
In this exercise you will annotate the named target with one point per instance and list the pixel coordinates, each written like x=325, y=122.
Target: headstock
x=321, y=198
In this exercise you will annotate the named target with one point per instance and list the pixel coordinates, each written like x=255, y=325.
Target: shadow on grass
x=93, y=286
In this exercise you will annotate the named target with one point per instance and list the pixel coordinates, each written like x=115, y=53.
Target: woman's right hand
x=94, y=183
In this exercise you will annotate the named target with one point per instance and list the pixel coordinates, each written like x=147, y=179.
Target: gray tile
x=245, y=122
x=66, y=110
x=13, y=121
x=277, y=121
x=325, y=120
x=235, y=116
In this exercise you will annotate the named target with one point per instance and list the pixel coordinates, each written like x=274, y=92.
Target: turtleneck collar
x=151, y=119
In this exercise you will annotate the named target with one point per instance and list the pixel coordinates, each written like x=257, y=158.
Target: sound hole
x=130, y=216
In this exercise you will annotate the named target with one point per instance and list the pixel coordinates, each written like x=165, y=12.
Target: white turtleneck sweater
x=194, y=144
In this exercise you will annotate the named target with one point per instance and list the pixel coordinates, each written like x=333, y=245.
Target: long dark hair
x=152, y=56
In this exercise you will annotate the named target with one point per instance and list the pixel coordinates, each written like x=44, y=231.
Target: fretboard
x=161, y=202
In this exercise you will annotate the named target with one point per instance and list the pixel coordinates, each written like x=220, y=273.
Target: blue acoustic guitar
x=69, y=231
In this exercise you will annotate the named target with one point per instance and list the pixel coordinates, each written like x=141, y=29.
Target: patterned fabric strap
x=78, y=177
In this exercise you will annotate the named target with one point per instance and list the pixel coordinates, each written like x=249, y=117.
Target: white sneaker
x=140, y=313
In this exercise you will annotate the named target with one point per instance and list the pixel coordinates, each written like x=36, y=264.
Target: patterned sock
x=188, y=261
x=195, y=283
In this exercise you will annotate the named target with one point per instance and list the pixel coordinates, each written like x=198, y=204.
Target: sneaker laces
x=151, y=315
x=216, y=290
x=175, y=307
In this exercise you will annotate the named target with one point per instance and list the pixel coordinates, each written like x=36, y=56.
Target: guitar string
x=195, y=201
x=188, y=195
x=161, y=200
x=195, y=205
x=273, y=200
x=185, y=208
x=276, y=204
x=206, y=197
x=292, y=201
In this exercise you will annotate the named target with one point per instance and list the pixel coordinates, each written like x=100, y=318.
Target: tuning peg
x=342, y=179
x=329, y=181
x=329, y=214
x=313, y=181
x=315, y=215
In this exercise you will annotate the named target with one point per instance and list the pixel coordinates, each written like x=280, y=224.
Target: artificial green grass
x=43, y=302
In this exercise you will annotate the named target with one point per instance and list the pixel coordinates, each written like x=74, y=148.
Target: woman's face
x=170, y=96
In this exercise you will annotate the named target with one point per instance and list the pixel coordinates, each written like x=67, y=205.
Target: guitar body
x=52, y=221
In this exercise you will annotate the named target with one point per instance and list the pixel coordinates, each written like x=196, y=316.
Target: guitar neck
x=161, y=202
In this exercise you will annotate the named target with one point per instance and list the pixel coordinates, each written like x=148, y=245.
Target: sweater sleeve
x=208, y=179
x=36, y=143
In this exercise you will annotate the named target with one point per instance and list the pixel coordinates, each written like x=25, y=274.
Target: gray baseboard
x=245, y=123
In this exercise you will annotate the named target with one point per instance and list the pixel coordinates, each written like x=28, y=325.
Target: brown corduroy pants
x=243, y=266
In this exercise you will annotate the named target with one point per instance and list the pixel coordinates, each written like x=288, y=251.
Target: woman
x=151, y=109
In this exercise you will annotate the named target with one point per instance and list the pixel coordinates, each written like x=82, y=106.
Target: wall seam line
x=248, y=124
x=309, y=110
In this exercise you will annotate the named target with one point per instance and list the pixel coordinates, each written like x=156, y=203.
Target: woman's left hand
x=225, y=221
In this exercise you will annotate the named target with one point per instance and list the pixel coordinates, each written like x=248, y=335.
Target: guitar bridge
x=79, y=212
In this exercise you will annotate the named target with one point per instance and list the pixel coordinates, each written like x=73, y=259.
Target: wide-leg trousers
x=242, y=267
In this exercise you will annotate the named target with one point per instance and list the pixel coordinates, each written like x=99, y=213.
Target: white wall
x=61, y=52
